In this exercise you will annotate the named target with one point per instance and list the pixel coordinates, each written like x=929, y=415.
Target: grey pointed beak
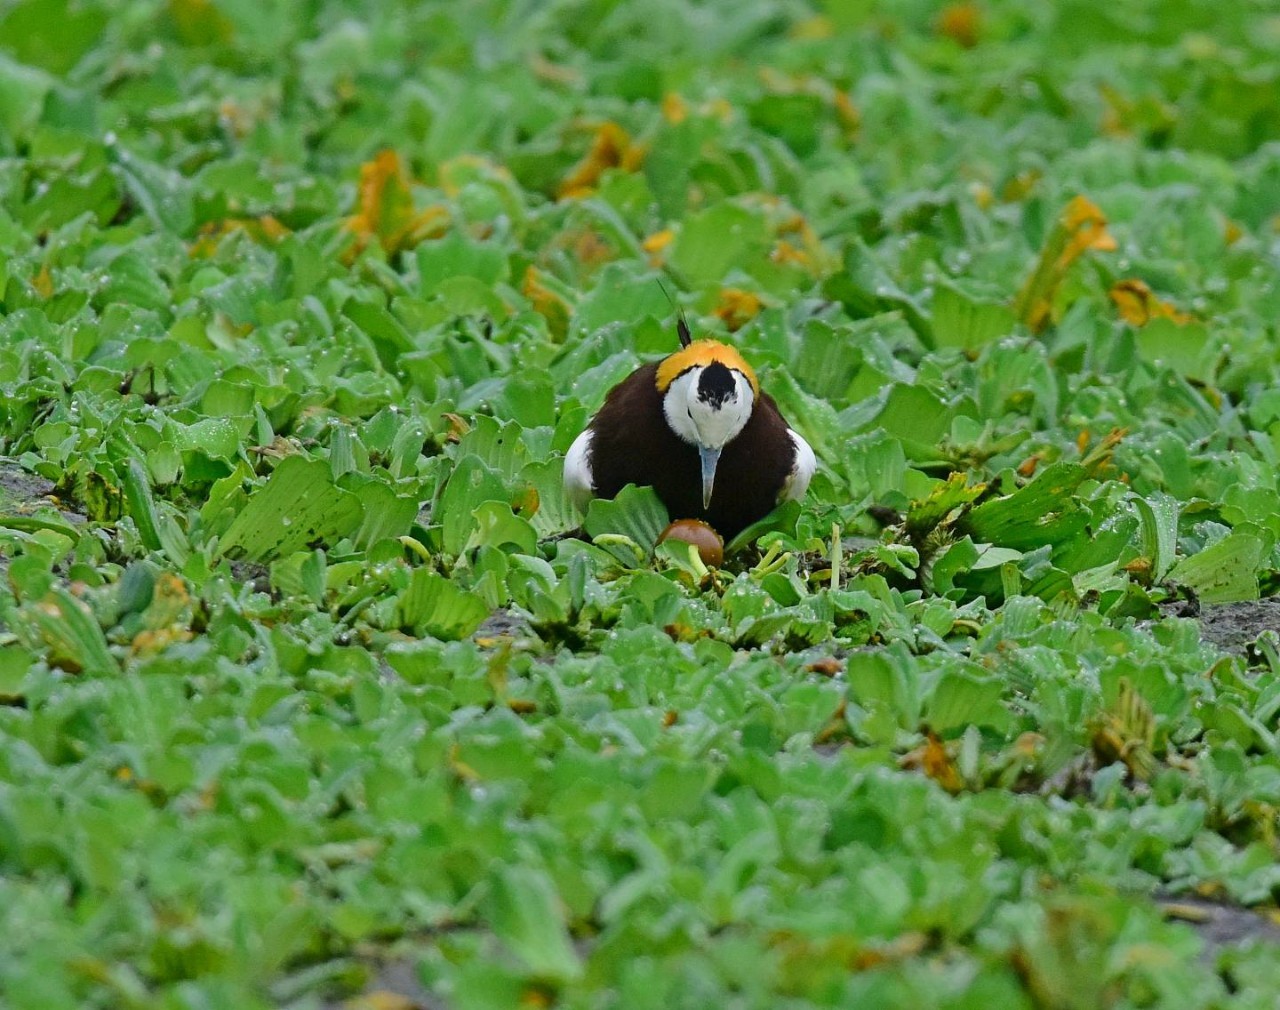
x=710, y=457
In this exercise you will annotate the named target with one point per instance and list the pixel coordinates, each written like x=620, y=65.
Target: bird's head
x=708, y=393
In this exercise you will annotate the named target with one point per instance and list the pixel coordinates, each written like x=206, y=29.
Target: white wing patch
x=577, y=471
x=802, y=470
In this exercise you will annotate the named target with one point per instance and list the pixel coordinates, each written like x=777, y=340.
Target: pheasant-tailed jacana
x=698, y=430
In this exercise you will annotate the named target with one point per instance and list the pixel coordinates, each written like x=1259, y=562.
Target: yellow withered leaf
x=264, y=230
x=385, y=211
x=591, y=248
x=962, y=23
x=1126, y=732
x=199, y=22
x=1086, y=228
x=1139, y=305
x=813, y=29
x=737, y=307
x=43, y=282
x=656, y=245
x=932, y=758
x=552, y=305
x=848, y=114
x=559, y=74
x=381, y=999
x=1080, y=228
x=612, y=147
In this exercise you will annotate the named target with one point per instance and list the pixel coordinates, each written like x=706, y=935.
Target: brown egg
x=694, y=531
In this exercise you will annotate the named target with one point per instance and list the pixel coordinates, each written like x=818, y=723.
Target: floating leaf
x=965, y=321
x=1224, y=572
x=945, y=500
x=70, y=633
x=496, y=525
x=918, y=417
x=1186, y=347
x=555, y=513
x=962, y=699
x=432, y=605
x=782, y=519
x=526, y=915
x=298, y=506
x=636, y=513
x=1158, y=515
x=157, y=532
x=471, y=484
x=715, y=241
x=1043, y=512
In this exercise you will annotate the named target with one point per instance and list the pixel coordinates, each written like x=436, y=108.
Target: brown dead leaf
x=458, y=426
x=828, y=666
x=153, y=642
x=836, y=727
x=1021, y=185
x=1028, y=466
x=813, y=29
x=459, y=767
x=848, y=115
x=555, y=73
x=784, y=252
x=537, y=995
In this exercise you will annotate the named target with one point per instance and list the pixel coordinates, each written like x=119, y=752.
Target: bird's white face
x=709, y=411
x=708, y=406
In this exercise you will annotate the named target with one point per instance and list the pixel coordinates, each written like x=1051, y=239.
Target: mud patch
x=502, y=624
x=392, y=985
x=19, y=488
x=1235, y=627
x=27, y=505
x=1219, y=925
